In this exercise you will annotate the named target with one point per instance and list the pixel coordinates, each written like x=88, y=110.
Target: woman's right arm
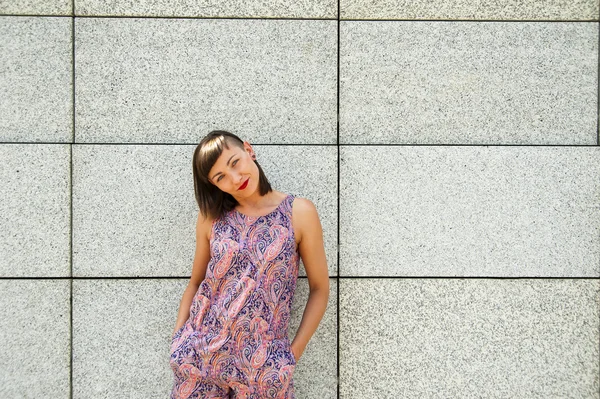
x=201, y=259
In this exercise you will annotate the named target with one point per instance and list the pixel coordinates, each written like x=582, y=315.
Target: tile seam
x=337, y=280
x=71, y=197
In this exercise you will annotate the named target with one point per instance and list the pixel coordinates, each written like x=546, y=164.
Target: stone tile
x=35, y=210
x=207, y=8
x=309, y=172
x=469, y=211
x=432, y=82
x=471, y=10
x=121, y=331
x=36, y=79
x=34, y=338
x=134, y=211
x=45, y=7
x=315, y=375
x=469, y=338
x=170, y=80
x=130, y=217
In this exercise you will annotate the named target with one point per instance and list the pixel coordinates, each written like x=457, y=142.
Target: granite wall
x=451, y=148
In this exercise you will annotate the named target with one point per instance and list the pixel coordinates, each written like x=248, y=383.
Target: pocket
x=291, y=352
x=178, y=332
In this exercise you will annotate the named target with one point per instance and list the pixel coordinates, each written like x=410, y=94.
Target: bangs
x=210, y=152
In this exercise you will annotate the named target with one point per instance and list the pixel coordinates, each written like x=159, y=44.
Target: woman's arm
x=311, y=249
x=201, y=259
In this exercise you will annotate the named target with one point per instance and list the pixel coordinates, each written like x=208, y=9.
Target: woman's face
x=235, y=168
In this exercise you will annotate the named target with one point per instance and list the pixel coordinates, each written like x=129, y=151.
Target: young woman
x=231, y=336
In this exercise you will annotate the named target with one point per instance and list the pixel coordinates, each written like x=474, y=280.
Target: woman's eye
x=232, y=164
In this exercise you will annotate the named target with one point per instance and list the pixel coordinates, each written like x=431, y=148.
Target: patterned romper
x=235, y=342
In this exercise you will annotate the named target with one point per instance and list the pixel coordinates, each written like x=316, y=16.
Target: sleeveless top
x=245, y=299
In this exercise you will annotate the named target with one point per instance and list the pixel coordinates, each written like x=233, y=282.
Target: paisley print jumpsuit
x=235, y=342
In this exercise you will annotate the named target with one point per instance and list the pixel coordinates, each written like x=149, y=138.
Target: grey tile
x=469, y=338
x=36, y=79
x=207, y=8
x=134, y=211
x=121, y=332
x=309, y=172
x=470, y=9
x=315, y=375
x=35, y=210
x=468, y=82
x=46, y=7
x=168, y=80
x=470, y=211
x=35, y=338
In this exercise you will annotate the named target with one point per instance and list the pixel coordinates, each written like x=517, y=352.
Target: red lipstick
x=243, y=186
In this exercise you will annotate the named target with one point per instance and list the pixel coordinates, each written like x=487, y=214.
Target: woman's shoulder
x=302, y=204
x=304, y=210
x=305, y=218
x=204, y=225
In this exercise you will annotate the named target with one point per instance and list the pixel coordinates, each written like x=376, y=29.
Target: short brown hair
x=211, y=200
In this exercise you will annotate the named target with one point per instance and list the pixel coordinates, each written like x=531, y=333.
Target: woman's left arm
x=312, y=252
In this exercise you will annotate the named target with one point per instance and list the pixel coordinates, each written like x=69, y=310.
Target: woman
x=231, y=336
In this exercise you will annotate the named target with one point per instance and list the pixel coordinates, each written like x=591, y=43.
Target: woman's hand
x=175, y=330
x=296, y=357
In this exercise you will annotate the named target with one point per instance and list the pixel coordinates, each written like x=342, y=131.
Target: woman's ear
x=249, y=149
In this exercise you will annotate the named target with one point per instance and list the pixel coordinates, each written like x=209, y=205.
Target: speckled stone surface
x=167, y=80
x=35, y=79
x=45, y=7
x=468, y=82
x=208, y=8
x=34, y=338
x=309, y=172
x=130, y=214
x=134, y=211
x=471, y=9
x=469, y=338
x=35, y=210
x=470, y=211
x=121, y=332
x=315, y=376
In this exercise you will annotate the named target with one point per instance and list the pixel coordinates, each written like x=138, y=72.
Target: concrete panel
x=471, y=9
x=207, y=8
x=134, y=211
x=35, y=210
x=35, y=339
x=469, y=338
x=45, y=7
x=470, y=211
x=170, y=80
x=36, y=79
x=121, y=331
x=468, y=82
